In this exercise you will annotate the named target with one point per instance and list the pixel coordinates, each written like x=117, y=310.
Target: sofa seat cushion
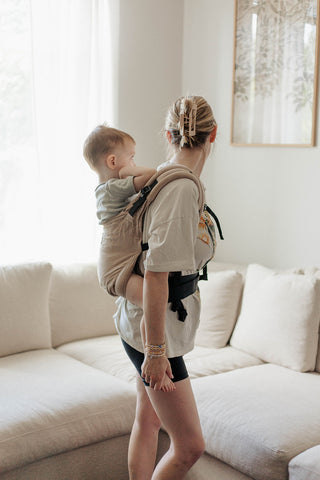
x=51, y=403
x=202, y=361
x=104, y=353
x=107, y=354
x=257, y=418
x=306, y=465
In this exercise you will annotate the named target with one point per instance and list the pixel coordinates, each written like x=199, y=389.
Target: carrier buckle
x=147, y=189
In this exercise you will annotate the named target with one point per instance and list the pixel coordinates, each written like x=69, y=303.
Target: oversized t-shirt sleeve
x=120, y=188
x=173, y=220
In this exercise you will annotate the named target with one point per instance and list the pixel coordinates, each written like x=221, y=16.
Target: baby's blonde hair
x=102, y=140
x=190, y=121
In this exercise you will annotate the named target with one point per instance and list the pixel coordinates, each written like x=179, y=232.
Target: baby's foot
x=167, y=385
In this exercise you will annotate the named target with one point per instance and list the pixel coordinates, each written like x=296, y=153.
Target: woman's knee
x=198, y=448
x=190, y=451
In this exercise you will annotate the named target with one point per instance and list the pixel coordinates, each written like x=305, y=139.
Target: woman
x=177, y=241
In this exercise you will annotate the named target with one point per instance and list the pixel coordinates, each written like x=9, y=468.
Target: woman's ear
x=213, y=134
x=110, y=161
x=169, y=136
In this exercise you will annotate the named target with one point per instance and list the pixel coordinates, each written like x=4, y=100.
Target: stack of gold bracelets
x=155, y=351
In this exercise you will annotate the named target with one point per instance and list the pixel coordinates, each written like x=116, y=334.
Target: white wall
x=150, y=71
x=267, y=198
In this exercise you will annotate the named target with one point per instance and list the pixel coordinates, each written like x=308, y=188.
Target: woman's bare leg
x=179, y=416
x=144, y=437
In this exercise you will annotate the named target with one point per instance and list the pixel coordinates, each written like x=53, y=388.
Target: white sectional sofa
x=68, y=393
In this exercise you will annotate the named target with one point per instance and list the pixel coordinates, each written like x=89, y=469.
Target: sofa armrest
x=306, y=465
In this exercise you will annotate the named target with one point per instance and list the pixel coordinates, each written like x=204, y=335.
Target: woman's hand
x=153, y=370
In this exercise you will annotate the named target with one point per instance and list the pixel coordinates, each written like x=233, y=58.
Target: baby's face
x=125, y=155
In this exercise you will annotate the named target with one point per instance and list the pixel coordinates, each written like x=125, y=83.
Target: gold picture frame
x=275, y=73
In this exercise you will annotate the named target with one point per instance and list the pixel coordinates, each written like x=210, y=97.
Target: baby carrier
x=122, y=244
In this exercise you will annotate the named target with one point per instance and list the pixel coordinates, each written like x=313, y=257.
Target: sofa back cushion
x=318, y=358
x=315, y=272
x=220, y=297
x=24, y=314
x=279, y=319
x=79, y=308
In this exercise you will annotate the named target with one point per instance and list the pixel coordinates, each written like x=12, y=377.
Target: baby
x=110, y=153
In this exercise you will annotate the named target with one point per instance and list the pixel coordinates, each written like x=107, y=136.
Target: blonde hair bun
x=190, y=121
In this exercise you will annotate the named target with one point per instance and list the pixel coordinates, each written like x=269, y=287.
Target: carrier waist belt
x=181, y=286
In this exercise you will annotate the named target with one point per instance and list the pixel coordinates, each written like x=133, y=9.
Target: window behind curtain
x=56, y=72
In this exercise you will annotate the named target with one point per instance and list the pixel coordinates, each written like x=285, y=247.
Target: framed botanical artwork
x=275, y=76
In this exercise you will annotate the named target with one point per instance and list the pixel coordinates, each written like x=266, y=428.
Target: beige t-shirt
x=176, y=243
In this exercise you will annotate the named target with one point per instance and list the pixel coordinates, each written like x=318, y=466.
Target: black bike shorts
x=178, y=367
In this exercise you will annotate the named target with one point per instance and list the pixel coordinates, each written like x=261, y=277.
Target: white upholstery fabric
x=312, y=271
x=318, y=357
x=107, y=354
x=256, y=419
x=52, y=403
x=220, y=297
x=316, y=272
x=24, y=316
x=306, y=466
x=279, y=318
x=210, y=468
x=79, y=308
x=203, y=361
x=105, y=460
x=214, y=266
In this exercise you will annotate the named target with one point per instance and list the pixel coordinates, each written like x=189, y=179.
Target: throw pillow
x=279, y=318
x=220, y=297
x=24, y=314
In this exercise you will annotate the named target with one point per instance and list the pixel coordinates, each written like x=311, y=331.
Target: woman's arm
x=141, y=175
x=155, y=301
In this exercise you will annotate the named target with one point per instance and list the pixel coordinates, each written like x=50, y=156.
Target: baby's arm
x=141, y=175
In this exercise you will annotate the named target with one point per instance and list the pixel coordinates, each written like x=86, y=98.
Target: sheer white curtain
x=58, y=65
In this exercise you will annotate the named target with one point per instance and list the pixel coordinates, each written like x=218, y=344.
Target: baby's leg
x=167, y=384
x=134, y=290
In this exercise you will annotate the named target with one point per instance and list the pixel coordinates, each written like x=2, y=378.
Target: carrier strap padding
x=161, y=178
x=142, y=197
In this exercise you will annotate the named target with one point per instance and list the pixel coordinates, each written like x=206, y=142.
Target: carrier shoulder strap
x=158, y=181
